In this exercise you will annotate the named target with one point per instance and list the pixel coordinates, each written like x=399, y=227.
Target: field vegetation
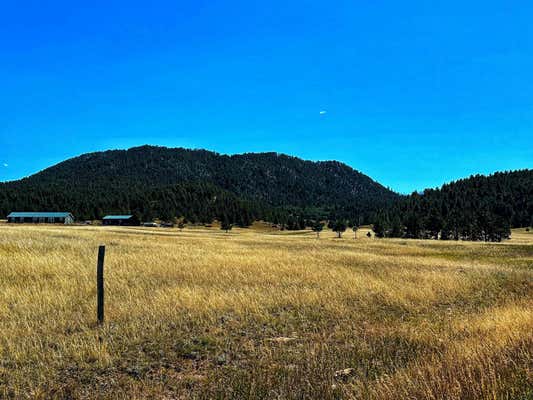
x=261, y=314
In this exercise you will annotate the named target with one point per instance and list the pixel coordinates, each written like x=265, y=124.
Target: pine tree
x=396, y=228
x=433, y=223
x=339, y=227
x=225, y=224
x=355, y=228
x=380, y=226
x=318, y=227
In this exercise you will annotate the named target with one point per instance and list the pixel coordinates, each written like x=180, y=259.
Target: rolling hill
x=475, y=208
x=198, y=184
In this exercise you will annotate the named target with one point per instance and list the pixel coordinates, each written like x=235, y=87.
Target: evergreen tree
x=413, y=227
x=433, y=223
x=318, y=227
x=225, y=224
x=355, y=228
x=396, y=227
x=380, y=226
x=339, y=227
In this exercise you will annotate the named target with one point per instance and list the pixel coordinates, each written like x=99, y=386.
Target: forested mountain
x=476, y=208
x=198, y=185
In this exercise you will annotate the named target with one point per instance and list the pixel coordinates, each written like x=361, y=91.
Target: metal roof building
x=37, y=217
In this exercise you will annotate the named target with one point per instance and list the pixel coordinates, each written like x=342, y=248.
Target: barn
x=122, y=220
x=41, y=217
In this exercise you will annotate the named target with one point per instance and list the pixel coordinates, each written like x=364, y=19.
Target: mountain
x=199, y=185
x=476, y=208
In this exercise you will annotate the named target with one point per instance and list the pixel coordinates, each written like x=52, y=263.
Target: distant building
x=121, y=220
x=41, y=217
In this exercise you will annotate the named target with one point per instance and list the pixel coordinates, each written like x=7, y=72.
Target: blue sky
x=415, y=93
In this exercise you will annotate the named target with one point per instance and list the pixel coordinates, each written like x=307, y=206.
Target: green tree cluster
x=479, y=208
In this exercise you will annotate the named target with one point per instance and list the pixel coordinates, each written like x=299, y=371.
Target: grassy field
x=259, y=314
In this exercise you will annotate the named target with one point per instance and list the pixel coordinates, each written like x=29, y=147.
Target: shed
x=122, y=220
x=39, y=217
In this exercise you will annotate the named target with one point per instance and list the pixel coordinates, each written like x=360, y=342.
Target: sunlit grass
x=263, y=314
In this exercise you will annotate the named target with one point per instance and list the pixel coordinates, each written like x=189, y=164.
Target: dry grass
x=259, y=314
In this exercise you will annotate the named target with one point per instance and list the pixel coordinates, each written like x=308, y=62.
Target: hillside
x=198, y=184
x=475, y=208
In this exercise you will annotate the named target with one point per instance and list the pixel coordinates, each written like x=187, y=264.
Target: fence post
x=100, y=285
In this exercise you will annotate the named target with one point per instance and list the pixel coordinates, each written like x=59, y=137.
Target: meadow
x=262, y=314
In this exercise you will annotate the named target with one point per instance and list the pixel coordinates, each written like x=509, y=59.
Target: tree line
x=479, y=208
x=198, y=186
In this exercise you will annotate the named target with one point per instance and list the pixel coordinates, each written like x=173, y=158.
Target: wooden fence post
x=100, y=285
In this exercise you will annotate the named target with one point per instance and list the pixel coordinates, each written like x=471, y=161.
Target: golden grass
x=263, y=314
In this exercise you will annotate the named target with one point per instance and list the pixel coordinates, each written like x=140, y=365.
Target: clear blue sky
x=415, y=93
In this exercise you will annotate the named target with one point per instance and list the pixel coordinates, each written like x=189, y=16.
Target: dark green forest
x=200, y=186
x=476, y=208
x=158, y=182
